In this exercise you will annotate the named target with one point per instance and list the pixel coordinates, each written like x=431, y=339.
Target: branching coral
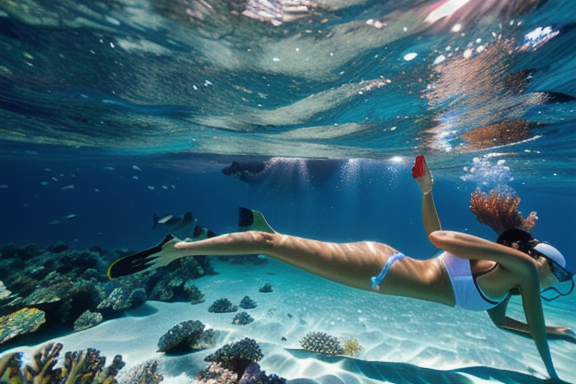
x=87, y=367
x=499, y=211
x=10, y=369
x=82, y=367
x=44, y=360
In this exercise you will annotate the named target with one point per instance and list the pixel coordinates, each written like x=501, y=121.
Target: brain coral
x=320, y=342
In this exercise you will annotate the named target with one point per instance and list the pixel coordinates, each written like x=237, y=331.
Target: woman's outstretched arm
x=425, y=181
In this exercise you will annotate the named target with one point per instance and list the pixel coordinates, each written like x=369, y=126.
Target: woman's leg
x=351, y=264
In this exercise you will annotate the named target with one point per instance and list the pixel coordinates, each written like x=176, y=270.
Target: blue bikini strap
x=376, y=280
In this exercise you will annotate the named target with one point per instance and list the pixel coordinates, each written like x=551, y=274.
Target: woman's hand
x=563, y=333
x=422, y=174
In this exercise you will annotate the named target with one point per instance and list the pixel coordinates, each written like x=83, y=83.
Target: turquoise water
x=114, y=111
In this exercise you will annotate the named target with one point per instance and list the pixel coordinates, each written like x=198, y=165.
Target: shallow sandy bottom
x=404, y=341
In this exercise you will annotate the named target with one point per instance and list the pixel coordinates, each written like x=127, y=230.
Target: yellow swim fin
x=251, y=220
x=147, y=260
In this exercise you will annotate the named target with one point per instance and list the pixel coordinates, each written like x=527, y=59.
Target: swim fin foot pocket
x=251, y=220
x=148, y=259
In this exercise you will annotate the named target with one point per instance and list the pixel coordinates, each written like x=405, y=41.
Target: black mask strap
x=557, y=291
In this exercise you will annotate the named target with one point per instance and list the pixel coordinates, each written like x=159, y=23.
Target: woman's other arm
x=423, y=177
x=523, y=275
x=499, y=318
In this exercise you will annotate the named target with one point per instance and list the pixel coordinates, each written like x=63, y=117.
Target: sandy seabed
x=403, y=340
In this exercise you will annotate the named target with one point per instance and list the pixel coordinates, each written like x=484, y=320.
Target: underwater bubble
x=485, y=173
x=439, y=59
x=410, y=56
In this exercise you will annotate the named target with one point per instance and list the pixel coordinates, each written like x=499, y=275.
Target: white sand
x=404, y=341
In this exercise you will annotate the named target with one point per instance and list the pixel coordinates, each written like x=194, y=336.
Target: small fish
x=170, y=222
x=69, y=217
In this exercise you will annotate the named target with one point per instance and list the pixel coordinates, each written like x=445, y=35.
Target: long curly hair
x=499, y=210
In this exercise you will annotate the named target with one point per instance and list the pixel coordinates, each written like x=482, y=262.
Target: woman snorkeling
x=471, y=272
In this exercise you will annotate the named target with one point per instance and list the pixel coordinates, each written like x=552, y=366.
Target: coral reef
x=222, y=306
x=145, y=373
x=248, y=303
x=238, y=360
x=242, y=318
x=64, y=283
x=352, y=347
x=88, y=320
x=20, y=322
x=10, y=368
x=253, y=375
x=216, y=374
x=195, y=296
x=499, y=211
x=207, y=339
x=81, y=367
x=172, y=284
x=4, y=292
x=186, y=336
x=44, y=360
x=121, y=299
x=238, y=356
x=323, y=343
x=87, y=367
x=266, y=288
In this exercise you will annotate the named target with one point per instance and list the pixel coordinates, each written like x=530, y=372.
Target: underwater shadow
x=403, y=373
x=142, y=311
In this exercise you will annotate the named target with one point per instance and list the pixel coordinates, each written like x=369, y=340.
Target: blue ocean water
x=117, y=110
x=183, y=89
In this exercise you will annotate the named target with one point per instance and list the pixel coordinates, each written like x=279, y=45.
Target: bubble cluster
x=486, y=173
